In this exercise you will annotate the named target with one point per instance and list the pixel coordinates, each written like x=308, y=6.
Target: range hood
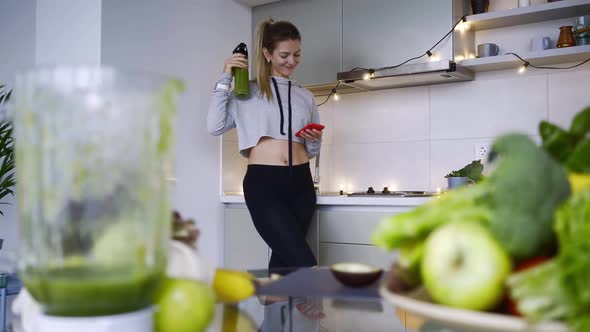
x=434, y=72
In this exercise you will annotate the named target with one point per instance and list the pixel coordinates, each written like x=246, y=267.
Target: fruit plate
x=459, y=320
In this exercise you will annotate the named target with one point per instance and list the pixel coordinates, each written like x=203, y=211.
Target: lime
x=184, y=305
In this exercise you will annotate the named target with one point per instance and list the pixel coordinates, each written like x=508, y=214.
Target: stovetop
x=370, y=192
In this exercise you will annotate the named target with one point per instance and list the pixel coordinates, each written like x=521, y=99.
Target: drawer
x=349, y=226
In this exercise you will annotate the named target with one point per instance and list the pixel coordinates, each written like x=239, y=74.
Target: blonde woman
x=278, y=187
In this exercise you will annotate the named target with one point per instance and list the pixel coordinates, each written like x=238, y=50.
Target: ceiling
x=254, y=3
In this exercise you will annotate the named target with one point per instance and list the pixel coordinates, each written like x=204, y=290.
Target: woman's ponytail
x=262, y=65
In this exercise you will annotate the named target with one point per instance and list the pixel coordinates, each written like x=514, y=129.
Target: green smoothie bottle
x=241, y=76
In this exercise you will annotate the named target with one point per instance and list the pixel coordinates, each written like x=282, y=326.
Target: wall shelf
x=541, y=58
x=532, y=14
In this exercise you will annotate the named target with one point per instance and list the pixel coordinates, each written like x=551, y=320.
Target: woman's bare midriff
x=270, y=151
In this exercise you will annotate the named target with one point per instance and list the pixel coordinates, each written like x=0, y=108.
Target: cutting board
x=316, y=282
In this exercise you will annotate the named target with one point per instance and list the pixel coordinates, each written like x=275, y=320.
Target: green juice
x=92, y=291
x=241, y=84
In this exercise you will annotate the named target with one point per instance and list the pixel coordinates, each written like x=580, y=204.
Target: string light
x=463, y=25
x=526, y=64
x=370, y=72
x=369, y=75
x=333, y=92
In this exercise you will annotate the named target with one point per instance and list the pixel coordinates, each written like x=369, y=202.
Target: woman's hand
x=312, y=135
x=236, y=60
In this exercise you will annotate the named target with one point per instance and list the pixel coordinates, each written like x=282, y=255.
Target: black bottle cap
x=242, y=48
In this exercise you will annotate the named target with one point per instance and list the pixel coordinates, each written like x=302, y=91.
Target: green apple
x=464, y=266
x=184, y=305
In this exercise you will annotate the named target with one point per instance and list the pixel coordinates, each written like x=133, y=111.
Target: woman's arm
x=222, y=105
x=313, y=142
x=219, y=118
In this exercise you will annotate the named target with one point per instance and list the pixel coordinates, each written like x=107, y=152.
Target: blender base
x=137, y=321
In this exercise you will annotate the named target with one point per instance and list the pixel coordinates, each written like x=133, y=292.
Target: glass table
x=312, y=302
x=333, y=308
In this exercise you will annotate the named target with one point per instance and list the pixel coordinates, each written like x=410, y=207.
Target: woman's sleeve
x=219, y=118
x=313, y=148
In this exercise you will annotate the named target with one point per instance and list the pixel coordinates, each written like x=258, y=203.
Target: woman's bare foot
x=265, y=299
x=311, y=308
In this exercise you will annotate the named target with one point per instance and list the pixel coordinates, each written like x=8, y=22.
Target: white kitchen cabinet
x=349, y=226
x=378, y=33
x=336, y=234
x=243, y=248
x=345, y=236
x=320, y=25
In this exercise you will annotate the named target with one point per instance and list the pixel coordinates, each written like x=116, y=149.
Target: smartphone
x=310, y=125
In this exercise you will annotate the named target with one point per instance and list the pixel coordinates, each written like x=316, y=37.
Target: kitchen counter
x=337, y=200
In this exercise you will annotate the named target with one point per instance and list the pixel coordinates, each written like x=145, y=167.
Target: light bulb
x=471, y=56
x=523, y=68
x=366, y=76
x=459, y=58
x=336, y=96
x=435, y=57
x=372, y=74
x=341, y=187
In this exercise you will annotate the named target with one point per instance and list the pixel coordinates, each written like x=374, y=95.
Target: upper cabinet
x=379, y=33
x=320, y=25
x=339, y=35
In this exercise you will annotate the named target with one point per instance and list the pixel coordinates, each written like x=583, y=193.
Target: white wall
x=41, y=32
x=68, y=32
x=190, y=40
x=410, y=138
x=17, y=25
x=17, y=53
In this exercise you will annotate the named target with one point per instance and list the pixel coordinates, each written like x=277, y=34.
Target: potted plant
x=471, y=173
x=7, y=180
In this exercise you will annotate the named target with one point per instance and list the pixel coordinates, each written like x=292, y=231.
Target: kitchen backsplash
x=410, y=138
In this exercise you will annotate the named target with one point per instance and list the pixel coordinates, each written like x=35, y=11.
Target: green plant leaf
x=7, y=176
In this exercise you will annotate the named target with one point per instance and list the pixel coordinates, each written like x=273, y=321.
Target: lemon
x=232, y=286
x=183, y=305
x=234, y=320
x=579, y=181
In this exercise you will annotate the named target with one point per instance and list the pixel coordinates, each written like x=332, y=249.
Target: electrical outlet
x=480, y=151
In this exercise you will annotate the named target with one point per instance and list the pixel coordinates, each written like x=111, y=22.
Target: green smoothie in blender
x=93, y=162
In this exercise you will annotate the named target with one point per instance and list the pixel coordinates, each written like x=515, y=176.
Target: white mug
x=524, y=3
x=540, y=43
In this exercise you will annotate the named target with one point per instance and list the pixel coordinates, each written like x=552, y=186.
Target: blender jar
x=93, y=150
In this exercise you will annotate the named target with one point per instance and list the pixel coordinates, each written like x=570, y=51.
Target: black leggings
x=281, y=206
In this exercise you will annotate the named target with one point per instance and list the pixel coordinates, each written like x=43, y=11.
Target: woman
x=278, y=187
